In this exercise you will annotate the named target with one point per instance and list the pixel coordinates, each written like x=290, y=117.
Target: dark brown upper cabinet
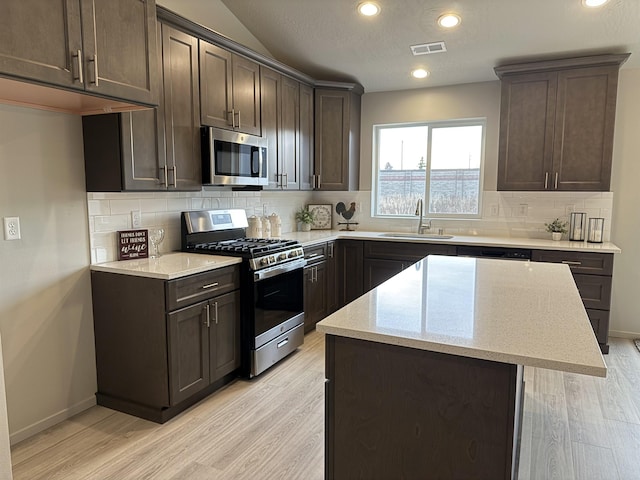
x=230, y=90
x=556, y=124
x=306, y=137
x=105, y=47
x=280, y=107
x=337, y=138
x=153, y=149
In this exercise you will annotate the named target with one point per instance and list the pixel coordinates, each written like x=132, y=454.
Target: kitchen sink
x=430, y=236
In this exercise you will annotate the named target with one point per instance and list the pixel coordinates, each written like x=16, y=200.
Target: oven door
x=278, y=297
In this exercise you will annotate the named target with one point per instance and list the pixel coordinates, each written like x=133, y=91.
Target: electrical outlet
x=523, y=208
x=12, y=228
x=136, y=219
x=494, y=210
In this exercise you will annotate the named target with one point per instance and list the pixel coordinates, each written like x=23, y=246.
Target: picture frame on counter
x=322, y=216
x=133, y=244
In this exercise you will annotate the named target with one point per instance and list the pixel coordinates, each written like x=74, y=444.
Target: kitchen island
x=425, y=372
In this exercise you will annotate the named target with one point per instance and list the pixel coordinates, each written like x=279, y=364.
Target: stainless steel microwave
x=232, y=158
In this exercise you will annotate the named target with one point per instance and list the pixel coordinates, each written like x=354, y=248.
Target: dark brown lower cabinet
x=349, y=270
x=593, y=274
x=161, y=345
x=398, y=412
x=315, y=295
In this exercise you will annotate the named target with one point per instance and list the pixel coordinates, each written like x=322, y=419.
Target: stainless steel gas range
x=271, y=283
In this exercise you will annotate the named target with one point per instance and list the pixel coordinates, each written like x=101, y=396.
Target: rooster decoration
x=347, y=214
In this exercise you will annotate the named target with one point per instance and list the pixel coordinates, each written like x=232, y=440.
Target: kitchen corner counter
x=521, y=313
x=319, y=236
x=168, y=266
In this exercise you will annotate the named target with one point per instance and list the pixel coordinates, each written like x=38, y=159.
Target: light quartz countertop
x=525, y=313
x=177, y=264
x=318, y=236
x=167, y=266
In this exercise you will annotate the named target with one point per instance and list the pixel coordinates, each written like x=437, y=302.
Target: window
x=439, y=162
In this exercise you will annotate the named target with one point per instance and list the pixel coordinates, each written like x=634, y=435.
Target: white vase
x=305, y=227
x=556, y=235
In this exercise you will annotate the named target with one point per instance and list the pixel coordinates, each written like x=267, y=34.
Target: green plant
x=557, y=226
x=304, y=215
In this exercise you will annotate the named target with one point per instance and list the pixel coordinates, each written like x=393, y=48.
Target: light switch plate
x=12, y=228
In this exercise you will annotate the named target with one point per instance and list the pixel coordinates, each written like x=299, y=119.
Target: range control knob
x=264, y=261
x=293, y=253
x=282, y=256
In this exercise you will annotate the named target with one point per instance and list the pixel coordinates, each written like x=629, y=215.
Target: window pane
x=454, y=180
x=402, y=161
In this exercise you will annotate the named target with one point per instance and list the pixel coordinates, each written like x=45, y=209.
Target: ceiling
x=329, y=40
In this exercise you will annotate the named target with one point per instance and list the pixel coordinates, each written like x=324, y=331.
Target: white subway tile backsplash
x=124, y=206
x=110, y=212
x=153, y=205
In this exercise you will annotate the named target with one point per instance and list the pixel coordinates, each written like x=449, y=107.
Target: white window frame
x=467, y=122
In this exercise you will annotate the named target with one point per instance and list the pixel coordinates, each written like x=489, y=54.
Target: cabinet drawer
x=579, y=262
x=194, y=288
x=600, y=322
x=405, y=250
x=595, y=290
x=315, y=253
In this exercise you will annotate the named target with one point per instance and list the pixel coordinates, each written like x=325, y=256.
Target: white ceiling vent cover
x=428, y=48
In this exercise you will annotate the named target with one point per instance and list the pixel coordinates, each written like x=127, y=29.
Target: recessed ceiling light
x=419, y=73
x=449, y=20
x=594, y=3
x=368, y=9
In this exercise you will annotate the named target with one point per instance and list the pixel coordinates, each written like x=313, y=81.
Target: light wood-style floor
x=575, y=427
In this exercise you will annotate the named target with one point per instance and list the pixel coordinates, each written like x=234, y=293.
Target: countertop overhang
x=168, y=266
x=524, y=313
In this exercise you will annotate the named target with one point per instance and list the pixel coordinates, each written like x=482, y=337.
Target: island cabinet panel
x=593, y=274
x=107, y=48
x=163, y=345
x=383, y=260
x=392, y=409
x=556, y=124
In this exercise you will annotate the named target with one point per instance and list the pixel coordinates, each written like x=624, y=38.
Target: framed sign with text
x=133, y=244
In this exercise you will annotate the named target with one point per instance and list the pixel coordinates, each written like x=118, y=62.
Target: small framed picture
x=133, y=244
x=321, y=216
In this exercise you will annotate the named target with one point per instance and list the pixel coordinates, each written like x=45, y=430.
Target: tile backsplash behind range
x=509, y=214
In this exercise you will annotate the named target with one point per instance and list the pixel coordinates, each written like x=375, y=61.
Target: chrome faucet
x=423, y=224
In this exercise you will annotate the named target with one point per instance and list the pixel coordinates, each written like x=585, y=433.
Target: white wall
x=625, y=312
x=45, y=298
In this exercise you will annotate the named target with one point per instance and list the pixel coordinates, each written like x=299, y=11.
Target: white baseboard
x=621, y=334
x=52, y=420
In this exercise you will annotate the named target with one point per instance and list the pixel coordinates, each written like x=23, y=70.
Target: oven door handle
x=278, y=269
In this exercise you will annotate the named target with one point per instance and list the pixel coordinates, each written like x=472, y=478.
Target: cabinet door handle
x=208, y=322
x=78, y=56
x=215, y=311
x=165, y=175
x=233, y=117
x=546, y=180
x=555, y=182
x=95, y=69
x=330, y=253
x=210, y=285
x=311, y=255
x=571, y=264
x=238, y=126
x=285, y=182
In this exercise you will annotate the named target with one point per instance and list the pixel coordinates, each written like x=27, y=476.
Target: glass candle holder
x=596, y=230
x=577, y=226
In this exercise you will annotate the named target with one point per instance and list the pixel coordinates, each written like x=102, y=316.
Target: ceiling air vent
x=428, y=48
